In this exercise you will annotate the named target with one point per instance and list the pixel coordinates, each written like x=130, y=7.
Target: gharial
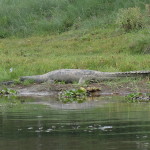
x=81, y=76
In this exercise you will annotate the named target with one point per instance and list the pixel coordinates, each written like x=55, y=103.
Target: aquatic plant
x=74, y=95
x=7, y=92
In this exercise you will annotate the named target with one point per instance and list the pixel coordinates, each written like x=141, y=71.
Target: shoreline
x=122, y=87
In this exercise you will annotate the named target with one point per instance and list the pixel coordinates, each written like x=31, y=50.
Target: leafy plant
x=7, y=91
x=78, y=95
x=130, y=18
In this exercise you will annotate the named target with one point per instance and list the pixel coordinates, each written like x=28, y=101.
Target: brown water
x=106, y=125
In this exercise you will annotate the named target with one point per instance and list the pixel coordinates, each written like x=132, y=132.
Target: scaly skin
x=79, y=75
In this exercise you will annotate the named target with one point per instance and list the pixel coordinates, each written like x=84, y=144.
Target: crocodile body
x=79, y=75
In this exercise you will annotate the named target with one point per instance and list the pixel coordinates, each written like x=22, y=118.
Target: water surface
x=105, y=124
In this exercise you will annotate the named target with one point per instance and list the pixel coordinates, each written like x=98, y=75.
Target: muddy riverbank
x=106, y=88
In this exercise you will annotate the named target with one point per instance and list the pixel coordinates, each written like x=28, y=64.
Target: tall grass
x=26, y=17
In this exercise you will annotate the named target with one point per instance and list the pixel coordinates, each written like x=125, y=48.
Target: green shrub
x=130, y=18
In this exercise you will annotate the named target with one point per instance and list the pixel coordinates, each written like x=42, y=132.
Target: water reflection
x=111, y=125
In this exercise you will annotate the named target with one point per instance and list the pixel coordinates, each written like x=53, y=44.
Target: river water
x=106, y=125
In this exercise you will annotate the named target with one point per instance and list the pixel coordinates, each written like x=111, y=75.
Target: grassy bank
x=99, y=49
x=38, y=36
x=36, y=17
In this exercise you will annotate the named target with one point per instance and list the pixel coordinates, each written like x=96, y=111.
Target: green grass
x=99, y=49
x=36, y=17
x=38, y=36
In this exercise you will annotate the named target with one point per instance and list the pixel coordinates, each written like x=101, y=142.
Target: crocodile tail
x=133, y=74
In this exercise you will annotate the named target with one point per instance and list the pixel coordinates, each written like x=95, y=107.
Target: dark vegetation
x=24, y=18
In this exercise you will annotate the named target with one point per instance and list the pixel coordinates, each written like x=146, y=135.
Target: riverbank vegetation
x=36, y=17
x=39, y=36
